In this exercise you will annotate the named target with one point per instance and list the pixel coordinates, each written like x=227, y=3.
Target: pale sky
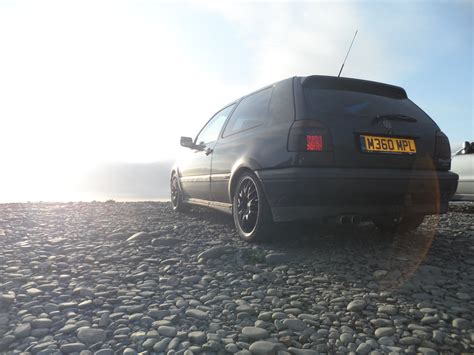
x=88, y=82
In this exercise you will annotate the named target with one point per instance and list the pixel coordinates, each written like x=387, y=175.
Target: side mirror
x=187, y=142
x=466, y=146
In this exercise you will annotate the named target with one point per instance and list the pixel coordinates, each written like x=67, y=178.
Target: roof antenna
x=342, y=66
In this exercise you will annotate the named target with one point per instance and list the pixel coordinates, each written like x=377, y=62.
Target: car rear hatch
x=371, y=125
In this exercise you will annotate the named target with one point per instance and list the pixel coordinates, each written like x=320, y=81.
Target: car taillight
x=314, y=143
x=442, y=154
x=309, y=136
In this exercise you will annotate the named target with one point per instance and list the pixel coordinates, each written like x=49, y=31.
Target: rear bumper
x=307, y=193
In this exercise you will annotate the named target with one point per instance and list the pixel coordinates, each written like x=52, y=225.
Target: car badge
x=387, y=124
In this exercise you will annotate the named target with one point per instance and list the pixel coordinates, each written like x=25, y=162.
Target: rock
x=91, y=336
x=295, y=325
x=138, y=337
x=85, y=304
x=196, y=313
x=429, y=320
x=68, y=329
x=363, y=348
x=346, y=338
x=33, y=292
x=379, y=274
x=438, y=337
x=167, y=331
x=161, y=345
x=216, y=252
x=197, y=337
x=149, y=343
x=463, y=296
x=5, y=342
x=41, y=323
x=139, y=237
x=356, y=306
x=39, y=348
x=386, y=341
x=67, y=305
x=245, y=308
x=410, y=341
x=72, y=348
x=104, y=352
x=276, y=258
x=390, y=310
x=263, y=348
x=384, y=332
x=166, y=241
x=427, y=351
x=22, y=330
x=296, y=351
x=461, y=323
x=255, y=333
x=7, y=299
x=231, y=348
x=191, y=279
x=118, y=236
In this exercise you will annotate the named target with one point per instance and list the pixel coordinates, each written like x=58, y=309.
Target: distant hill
x=128, y=181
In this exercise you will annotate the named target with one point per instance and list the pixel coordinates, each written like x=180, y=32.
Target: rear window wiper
x=395, y=116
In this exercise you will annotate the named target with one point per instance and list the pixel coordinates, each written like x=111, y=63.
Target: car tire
x=177, y=201
x=250, y=209
x=401, y=224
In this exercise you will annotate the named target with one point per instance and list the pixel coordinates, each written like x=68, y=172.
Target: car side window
x=211, y=130
x=250, y=112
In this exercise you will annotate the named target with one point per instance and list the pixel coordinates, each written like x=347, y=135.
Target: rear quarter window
x=251, y=112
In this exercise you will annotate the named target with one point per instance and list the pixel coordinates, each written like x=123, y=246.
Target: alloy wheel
x=174, y=190
x=247, y=205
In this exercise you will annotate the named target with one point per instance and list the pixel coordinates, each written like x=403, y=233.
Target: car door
x=196, y=168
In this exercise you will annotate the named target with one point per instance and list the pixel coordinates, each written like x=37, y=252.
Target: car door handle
x=208, y=151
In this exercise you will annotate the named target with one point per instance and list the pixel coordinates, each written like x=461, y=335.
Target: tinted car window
x=211, y=130
x=251, y=112
x=322, y=101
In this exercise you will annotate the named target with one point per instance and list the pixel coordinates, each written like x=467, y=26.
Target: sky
x=85, y=83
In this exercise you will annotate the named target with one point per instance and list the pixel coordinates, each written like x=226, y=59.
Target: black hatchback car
x=318, y=147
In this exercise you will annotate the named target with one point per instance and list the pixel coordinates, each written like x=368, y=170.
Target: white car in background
x=462, y=163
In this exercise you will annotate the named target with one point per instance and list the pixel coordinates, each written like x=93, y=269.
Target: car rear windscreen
x=357, y=100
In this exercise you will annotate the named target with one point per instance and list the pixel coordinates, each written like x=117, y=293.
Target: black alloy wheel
x=250, y=209
x=176, y=195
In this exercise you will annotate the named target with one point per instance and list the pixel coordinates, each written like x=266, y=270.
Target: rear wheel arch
x=234, y=179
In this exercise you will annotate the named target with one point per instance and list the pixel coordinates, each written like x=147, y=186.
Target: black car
x=318, y=147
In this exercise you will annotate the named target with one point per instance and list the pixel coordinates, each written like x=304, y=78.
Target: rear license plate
x=374, y=144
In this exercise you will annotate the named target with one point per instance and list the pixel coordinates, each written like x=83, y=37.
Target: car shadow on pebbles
x=391, y=260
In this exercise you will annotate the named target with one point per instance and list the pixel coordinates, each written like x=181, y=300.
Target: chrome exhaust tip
x=355, y=219
x=344, y=220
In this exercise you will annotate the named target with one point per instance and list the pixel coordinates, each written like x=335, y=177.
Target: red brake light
x=309, y=136
x=314, y=143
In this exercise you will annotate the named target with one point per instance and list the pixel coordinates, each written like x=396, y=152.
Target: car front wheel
x=252, y=215
x=176, y=195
